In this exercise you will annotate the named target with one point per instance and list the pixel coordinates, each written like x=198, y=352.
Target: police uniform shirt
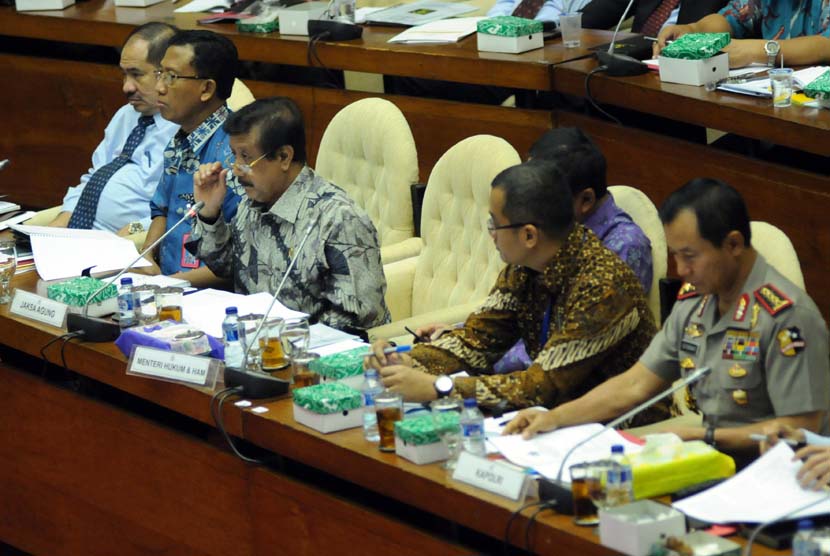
x=768, y=353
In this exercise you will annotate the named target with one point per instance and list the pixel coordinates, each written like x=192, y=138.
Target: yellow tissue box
x=681, y=466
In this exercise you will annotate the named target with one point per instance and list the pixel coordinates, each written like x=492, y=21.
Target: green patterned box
x=329, y=398
x=341, y=365
x=820, y=87
x=422, y=429
x=696, y=46
x=508, y=26
x=260, y=24
x=76, y=291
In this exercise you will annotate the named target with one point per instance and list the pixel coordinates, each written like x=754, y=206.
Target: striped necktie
x=528, y=8
x=658, y=18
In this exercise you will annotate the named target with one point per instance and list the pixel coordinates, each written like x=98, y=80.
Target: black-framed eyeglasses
x=491, y=225
x=169, y=78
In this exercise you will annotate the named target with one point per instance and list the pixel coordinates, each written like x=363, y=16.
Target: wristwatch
x=709, y=436
x=772, y=48
x=443, y=386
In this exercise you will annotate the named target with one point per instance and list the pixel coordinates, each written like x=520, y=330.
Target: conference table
x=130, y=465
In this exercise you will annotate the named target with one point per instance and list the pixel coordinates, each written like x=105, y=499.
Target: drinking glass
x=295, y=336
x=302, y=374
x=597, y=479
x=169, y=303
x=8, y=264
x=389, y=409
x=571, y=26
x=781, y=80
x=145, y=304
x=273, y=355
x=248, y=326
x=449, y=430
x=585, y=512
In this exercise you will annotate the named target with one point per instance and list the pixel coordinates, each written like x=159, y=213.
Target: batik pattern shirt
x=599, y=325
x=338, y=278
x=774, y=19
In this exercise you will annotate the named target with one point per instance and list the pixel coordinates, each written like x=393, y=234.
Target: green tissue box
x=508, y=26
x=346, y=367
x=76, y=291
x=820, y=89
x=260, y=24
x=696, y=46
x=328, y=407
x=418, y=439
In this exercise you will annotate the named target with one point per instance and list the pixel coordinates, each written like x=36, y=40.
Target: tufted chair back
x=368, y=150
x=241, y=96
x=640, y=208
x=778, y=250
x=459, y=262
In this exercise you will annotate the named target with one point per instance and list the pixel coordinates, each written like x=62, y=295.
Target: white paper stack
x=438, y=32
x=205, y=309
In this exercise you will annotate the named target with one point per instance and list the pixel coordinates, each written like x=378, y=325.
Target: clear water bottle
x=126, y=304
x=343, y=11
x=472, y=428
x=371, y=388
x=803, y=543
x=230, y=331
x=619, y=487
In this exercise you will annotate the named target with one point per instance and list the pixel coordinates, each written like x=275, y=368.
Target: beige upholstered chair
x=458, y=262
x=368, y=150
x=778, y=250
x=240, y=96
x=644, y=213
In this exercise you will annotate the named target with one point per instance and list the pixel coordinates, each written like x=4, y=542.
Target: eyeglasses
x=491, y=225
x=169, y=78
x=242, y=169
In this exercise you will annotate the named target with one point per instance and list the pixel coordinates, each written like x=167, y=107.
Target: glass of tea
x=169, y=303
x=8, y=264
x=302, y=374
x=389, y=409
x=585, y=512
x=145, y=304
x=295, y=336
x=248, y=326
x=273, y=355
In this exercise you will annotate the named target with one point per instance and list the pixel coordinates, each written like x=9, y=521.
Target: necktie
x=84, y=214
x=528, y=8
x=658, y=17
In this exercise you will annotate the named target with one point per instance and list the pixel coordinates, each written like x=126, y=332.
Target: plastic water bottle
x=803, y=543
x=371, y=388
x=343, y=11
x=619, y=487
x=230, y=331
x=126, y=304
x=472, y=428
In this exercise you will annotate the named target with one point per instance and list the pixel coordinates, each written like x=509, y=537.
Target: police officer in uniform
x=763, y=337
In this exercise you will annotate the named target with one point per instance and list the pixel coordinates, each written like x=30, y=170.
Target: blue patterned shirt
x=773, y=19
x=174, y=195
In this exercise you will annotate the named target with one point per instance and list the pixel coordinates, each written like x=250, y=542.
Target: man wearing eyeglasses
x=195, y=80
x=338, y=278
x=115, y=193
x=579, y=308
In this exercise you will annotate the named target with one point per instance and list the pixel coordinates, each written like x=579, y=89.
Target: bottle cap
x=231, y=311
x=617, y=449
x=127, y=281
x=469, y=402
x=805, y=524
x=369, y=373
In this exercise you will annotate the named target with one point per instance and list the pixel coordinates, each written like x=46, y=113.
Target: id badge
x=188, y=259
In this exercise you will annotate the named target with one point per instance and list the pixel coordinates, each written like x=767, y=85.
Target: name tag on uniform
x=686, y=345
x=741, y=345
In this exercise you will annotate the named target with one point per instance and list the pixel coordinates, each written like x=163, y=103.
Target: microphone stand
x=559, y=490
x=104, y=330
x=620, y=65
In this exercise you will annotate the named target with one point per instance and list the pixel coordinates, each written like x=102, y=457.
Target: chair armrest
x=448, y=315
x=402, y=250
x=400, y=277
x=44, y=217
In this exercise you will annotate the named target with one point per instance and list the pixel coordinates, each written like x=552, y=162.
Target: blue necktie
x=84, y=214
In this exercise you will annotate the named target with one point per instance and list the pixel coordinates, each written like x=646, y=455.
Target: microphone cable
x=217, y=401
x=590, y=97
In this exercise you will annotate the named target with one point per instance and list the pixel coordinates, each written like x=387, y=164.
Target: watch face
x=772, y=48
x=443, y=384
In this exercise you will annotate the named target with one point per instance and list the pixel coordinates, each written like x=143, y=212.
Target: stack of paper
x=763, y=88
x=65, y=253
x=6, y=206
x=418, y=13
x=16, y=219
x=438, y=32
x=205, y=309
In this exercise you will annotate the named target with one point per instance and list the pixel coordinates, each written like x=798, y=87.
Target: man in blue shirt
x=768, y=31
x=195, y=80
x=122, y=195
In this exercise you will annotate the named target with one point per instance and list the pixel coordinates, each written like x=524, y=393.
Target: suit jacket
x=604, y=14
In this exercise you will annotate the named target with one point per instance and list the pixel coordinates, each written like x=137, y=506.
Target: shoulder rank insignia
x=772, y=299
x=686, y=291
x=740, y=310
x=756, y=309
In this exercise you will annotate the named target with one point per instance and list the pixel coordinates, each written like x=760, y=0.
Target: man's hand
x=378, y=359
x=669, y=33
x=815, y=473
x=777, y=431
x=744, y=52
x=531, y=421
x=433, y=331
x=413, y=385
x=210, y=186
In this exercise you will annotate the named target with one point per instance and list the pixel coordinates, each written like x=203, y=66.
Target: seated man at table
x=195, y=80
x=338, y=278
x=769, y=32
x=580, y=310
x=649, y=15
x=763, y=337
x=115, y=193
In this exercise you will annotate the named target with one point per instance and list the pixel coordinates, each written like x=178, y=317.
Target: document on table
x=764, y=490
x=545, y=452
x=64, y=253
x=438, y=32
x=418, y=13
x=205, y=309
x=204, y=6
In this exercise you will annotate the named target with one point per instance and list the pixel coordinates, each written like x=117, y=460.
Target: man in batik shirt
x=580, y=310
x=338, y=278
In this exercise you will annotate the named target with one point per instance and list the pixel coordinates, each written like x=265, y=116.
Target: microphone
x=620, y=65
x=560, y=490
x=263, y=385
x=4, y=163
x=104, y=330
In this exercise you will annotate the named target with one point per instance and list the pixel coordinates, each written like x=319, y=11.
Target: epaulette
x=686, y=291
x=772, y=299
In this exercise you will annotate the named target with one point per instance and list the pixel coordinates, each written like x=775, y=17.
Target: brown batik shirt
x=599, y=325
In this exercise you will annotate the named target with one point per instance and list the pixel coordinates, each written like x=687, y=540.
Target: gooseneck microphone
x=620, y=65
x=263, y=385
x=104, y=330
x=560, y=490
x=4, y=163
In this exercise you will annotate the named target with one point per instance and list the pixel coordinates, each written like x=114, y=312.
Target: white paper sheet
x=545, y=452
x=438, y=32
x=764, y=490
x=205, y=309
x=322, y=335
x=204, y=6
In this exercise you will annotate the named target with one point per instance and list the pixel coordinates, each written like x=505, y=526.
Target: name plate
x=32, y=306
x=498, y=477
x=173, y=367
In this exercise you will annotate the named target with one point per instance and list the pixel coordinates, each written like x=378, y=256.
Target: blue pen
x=396, y=349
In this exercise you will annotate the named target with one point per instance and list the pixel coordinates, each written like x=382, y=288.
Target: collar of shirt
x=603, y=219
x=565, y=264
x=183, y=149
x=288, y=206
